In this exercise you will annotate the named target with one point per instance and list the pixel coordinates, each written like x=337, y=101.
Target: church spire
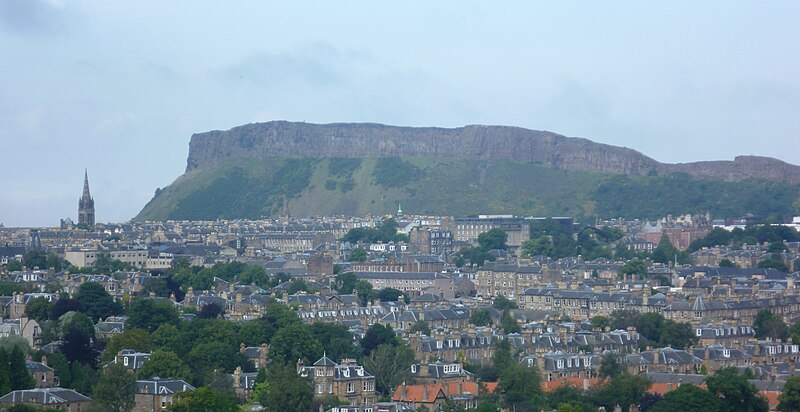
x=86, y=203
x=86, y=194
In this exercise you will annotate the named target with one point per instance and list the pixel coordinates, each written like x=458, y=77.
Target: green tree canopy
x=377, y=335
x=285, y=390
x=149, y=314
x=132, y=338
x=77, y=332
x=294, y=342
x=790, y=395
x=610, y=366
x=116, y=389
x=636, y=267
x=336, y=340
x=165, y=364
x=501, y=302
x=39, y=309
x=358, y=254
x=481, y=317
x=96, y=302
x=769, y=325
x=688, y=398
x=493, y=239
x=391, y=366
x=521, y=387
x=736, y=393
x=204, y=400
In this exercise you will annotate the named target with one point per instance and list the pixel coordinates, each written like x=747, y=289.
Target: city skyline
x=119, y=89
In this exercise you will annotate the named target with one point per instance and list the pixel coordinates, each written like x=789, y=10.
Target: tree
x=622, y=319
x=769, y=325
x=676, y=334
x=623, y=390
x=165, y=364
x=294, y=342
x=541, y=246
x=14, y=266
x=345, y=283
x=610, y=366
x=5, y=372
x=211, y=311
x=502, y=358
x=736, y=392
x=335, y=339
x=665, y=252
x=563, y=394
x=358, y=254
x=39, y=309
x=96, y=302
x=391, y=366
x=600, y=322
x=365, y=292
x=521, y=388
x=136, y=339
x=420, y=326
x=77, y=332
x=284, y=390
x=502, y=303
x=297, y=285
x=14, y=373
x=688, y=398
x=377, y=335
x=65, y=305
x=116, y=389
x=481, y=317
x=493, y=239
x=635, y=267
x=790, y=395
x=149, y=314
x=205, y=400
x=254, y=274
x=650, y=325
x=390, y=294
x=509, y=323
x=726, y=263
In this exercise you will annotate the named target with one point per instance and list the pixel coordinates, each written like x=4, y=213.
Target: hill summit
x=475, y=142
x=300, y=169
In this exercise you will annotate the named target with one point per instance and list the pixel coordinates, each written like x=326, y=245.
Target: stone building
x=347, y=381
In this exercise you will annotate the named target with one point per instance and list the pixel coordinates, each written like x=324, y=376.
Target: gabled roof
x=325, y=361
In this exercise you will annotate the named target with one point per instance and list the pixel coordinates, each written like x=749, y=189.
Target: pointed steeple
x=86, y=203
x=86, y=194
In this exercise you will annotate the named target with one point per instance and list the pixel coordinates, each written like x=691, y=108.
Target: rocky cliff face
x=289, y=139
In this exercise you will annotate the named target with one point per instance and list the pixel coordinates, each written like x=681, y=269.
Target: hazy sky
x=119, y=87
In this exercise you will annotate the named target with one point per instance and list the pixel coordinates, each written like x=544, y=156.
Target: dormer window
x=699, y=332
x=726, y=353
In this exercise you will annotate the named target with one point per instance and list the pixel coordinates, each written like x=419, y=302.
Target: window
x=350, y=387
x=125, y=361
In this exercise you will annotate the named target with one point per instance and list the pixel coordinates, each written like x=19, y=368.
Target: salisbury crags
x=367, y=140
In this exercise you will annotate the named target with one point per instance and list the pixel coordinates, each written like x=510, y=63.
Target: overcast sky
x=119, y=87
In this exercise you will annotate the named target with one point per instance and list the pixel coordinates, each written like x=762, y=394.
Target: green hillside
x=309, y=187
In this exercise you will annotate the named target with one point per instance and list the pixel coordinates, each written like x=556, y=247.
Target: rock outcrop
x=292, y=139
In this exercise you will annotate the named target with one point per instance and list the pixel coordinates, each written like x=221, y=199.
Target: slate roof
x=159, y=386
x=44, y=396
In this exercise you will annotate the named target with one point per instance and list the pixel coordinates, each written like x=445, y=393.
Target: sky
x=118, y=88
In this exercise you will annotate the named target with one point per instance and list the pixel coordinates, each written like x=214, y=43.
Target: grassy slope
x=447, y=186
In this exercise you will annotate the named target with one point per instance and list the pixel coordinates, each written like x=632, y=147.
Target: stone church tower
x=86, y=204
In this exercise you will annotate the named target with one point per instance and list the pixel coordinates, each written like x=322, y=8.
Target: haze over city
x=118, y=88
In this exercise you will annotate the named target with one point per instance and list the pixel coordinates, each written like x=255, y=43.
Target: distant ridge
x=300, y=169
x=475, y=142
